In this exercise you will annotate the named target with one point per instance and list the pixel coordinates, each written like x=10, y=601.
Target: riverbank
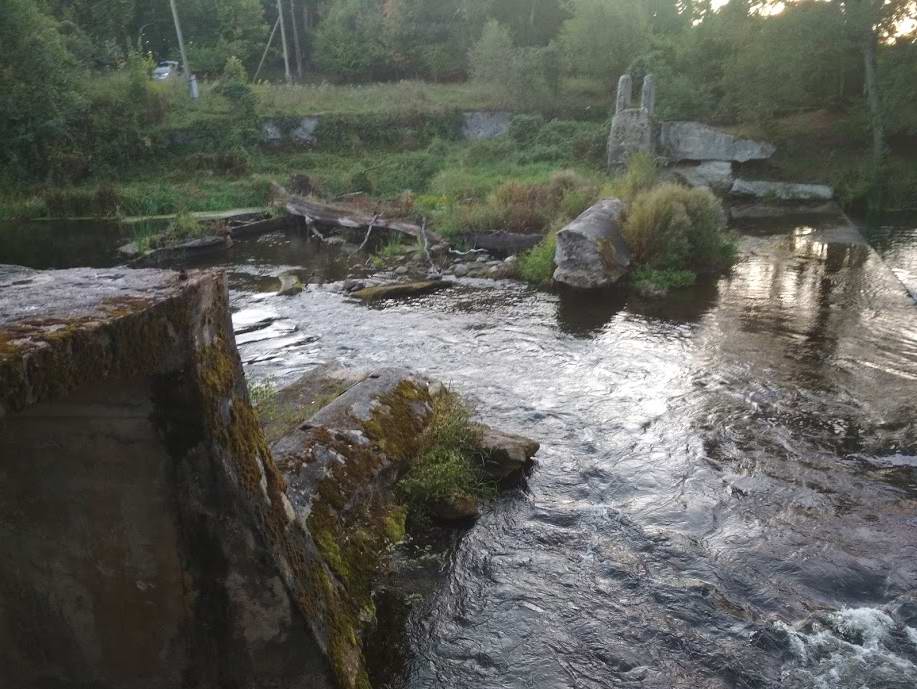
x=386, y=151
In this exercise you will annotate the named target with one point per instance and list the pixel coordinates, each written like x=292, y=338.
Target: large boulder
x=591, y=251
x=696, y=141
x=781, y=191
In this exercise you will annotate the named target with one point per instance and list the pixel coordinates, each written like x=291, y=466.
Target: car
x=167, y=69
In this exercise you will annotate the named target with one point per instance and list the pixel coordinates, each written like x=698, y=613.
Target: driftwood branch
x=323, y=214
x=426, y=243
x=369, y=230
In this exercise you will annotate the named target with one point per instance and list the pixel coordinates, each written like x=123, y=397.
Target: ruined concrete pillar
x=648, y=97
x=623, y=101
x=147, y=537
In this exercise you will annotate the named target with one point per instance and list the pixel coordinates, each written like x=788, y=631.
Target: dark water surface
x=726, y=494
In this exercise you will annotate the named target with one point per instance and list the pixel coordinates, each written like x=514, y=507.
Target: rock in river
x=590, y=250
x=505, y=453
x=290, y=285
x=395, y=290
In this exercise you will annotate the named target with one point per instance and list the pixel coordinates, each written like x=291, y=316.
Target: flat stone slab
x=39, y=299
x=63, y=328
x=781, y=191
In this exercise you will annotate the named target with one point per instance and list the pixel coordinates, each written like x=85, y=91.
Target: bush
x=673, y=228
x=650, y=281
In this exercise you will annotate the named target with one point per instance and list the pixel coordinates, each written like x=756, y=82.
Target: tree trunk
x=294, y=17
x=873, y=100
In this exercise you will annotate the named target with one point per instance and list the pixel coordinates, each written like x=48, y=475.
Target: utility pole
x=296, y=39
x=283, y=37
x=181, y=48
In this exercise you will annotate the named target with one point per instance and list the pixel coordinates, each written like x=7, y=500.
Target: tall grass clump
x=675, y=233
x=537, y=264
x=449, y=467
x=640, y=175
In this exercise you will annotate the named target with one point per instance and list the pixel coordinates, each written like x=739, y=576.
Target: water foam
x=855, y=648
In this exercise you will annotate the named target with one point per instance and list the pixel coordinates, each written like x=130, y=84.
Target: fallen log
x=323, y=214
x=499, y=242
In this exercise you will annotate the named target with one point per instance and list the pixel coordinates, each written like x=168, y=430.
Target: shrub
x=675, y=228
x=537, y=264
x=233, y=164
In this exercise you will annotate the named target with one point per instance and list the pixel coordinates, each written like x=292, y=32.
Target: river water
x=726, y=494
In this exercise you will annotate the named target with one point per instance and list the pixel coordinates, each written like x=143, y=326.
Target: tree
x=38, y=93
x=602, y=37
x=868, y=22
x=349, y=42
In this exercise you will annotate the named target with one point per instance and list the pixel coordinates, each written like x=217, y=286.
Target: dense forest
x=76, y=100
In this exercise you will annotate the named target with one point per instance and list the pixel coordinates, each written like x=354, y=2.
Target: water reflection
x=62, y=244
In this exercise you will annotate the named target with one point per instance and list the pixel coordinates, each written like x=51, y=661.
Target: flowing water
x=726, y=494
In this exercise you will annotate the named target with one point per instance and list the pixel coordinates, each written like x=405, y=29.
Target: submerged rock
x=590, y=250
x=696, y=141
x=396, y=290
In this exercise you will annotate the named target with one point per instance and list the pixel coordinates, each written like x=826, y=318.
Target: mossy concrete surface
x=150, y=539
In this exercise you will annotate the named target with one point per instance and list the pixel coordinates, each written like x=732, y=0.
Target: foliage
x=185, y=226
x=537, y=264
x=38, y=93
x=82, y=203
x=673, y=228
